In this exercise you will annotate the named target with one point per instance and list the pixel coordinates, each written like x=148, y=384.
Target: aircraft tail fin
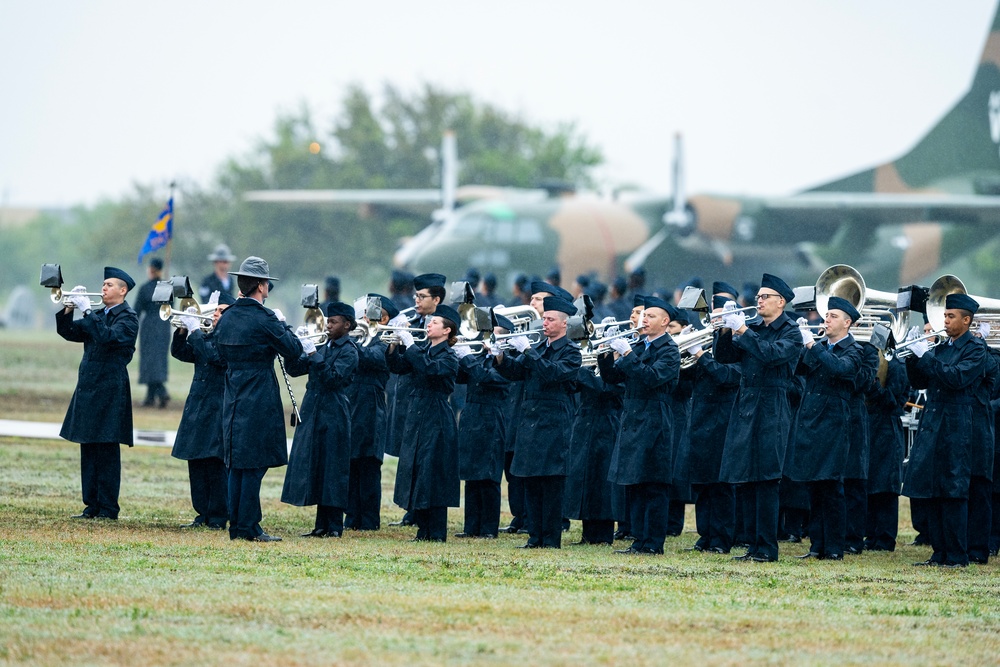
x=961, y=154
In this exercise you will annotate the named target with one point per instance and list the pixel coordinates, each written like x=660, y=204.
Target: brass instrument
x=713, y=321
x=503, y=340
x=601, y=327
x=390, y=334
x=904, y=349
x=989, y=309
x=174, y=315
x=703, y=338
x=475, y=346
x=520, y=316
x=319, y=337
x=600, y=345
x=65, y=298
x=875, y=307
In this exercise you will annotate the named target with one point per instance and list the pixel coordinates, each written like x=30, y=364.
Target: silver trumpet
x=502, y=341
x=601, y=327
x=601, y=345
x=475, y=346
x=319, y=337
x=390, y=334
x=204, y=313
x=703, y=338
x=58, y=296
x=713, y=321
x=904, y=349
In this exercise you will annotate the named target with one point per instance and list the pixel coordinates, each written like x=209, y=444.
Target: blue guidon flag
x=161, y=232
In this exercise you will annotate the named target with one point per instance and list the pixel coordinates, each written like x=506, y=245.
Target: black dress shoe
x=332, y=533
x=811, y=554
x=463, y=535
x=630, y=550
x=401, y=523
x=854, y=551
x=215, y=526
x=512, y=528
x=718, y=550
x=316, y=532
x=83, y=515
x=649, y=551
x=263, y=537
x=927, y=563
x=696, y=547
x=792, y=539
x=833, y=557
x=978, y=560
x=193, y=524
x=746, y=556
x=523, y=531
x=106, y=517
x=529, y=545
x=764, y=559
x=487, y=536
x=952, y=566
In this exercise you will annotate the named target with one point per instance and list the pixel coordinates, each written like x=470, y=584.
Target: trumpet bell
x=56, y=295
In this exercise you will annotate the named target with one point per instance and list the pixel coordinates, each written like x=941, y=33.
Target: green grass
x=142, y=591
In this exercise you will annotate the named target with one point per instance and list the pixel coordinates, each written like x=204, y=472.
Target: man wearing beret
x=248, y=337
x=100, y=413
x=821, y=435
x=545, y=420
x=939, y=470
x=767, y=352
x=643, y=457
x=621, y=503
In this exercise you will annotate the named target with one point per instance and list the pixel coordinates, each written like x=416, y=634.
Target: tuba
x=875, y=307
x=989, y=309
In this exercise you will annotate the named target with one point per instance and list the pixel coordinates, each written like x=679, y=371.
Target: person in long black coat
x=427, y=480
x=545, y=419
x=220, y=280
x=319, y=464
x=856, y=473
x=482, y=435
x=154, y=339
x=99, y=416
x=595, y=429
x=940, y=458
x=643, y=457
x=367, y=397
x=715, y=386
x=248, y=337
x=759, y=428
x=199, y=436
x=821, y=437
x=995, y=496
x=981, y=459
x=885, y=462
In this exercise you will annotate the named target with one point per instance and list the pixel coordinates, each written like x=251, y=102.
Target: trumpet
x=534, y=336
x=319, y=338
x=58, y=296
x=475, y=346
x=390, y=334
x=702, y=338
x=600, y=345
x=601, y=327
x=714, y=320
x=174, y=315
x=904, y=349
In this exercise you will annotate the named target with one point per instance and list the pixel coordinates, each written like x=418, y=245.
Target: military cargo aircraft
x=936, y=208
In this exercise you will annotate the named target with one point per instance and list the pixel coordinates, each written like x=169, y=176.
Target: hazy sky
x=771, y=95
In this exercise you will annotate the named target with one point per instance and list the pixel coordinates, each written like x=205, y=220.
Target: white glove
x=914, y=333
x=920, y=348
x=608, y=320
x=308, y=345
x=214, y=299
x=611, y=331
x=807, y=335
x=694, y=350
x=280, y=315
x=405, y=338
x=688, y=329
x=620, y=345
x=984, y=329
x=734, y=321
x=80, y=302
x=190, y=322
x=399, y=321
x=492, y=348
x=729, y=305
x=520, y=343
x=303, y=330
x=461, y=351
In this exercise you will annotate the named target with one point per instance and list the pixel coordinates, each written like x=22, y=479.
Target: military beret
x=839, y=303
x=657, y=302
x=226, y=299
x=388, y=306
x=778, y=285
x=448, y=313
x=112, y=272
x=720, y=287
x=425, y=280
x=961, y=302
x=638, y=300
x=503, y=322
x=539, y=286
x=719, y=300
x=340, y=308
x=562, y=305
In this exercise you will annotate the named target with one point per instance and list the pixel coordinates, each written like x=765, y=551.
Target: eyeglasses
x=421, y=297
x=765, y=297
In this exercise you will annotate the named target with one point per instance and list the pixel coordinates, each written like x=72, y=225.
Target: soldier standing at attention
x=759, y=428
x=218, y=280
x=100, y=413
x=154, y=339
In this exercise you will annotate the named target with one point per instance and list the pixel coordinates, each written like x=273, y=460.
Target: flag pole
x=170, y=239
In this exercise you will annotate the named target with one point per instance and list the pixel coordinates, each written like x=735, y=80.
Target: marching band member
x=427, y=481
x=199, y=436
x=982, y=457
x=885, y=462
x=545, y=419
x=367, y=398
x=821, y=436
x=248, y=337
x=482, y=433
x=320, y=461
x=758, y=430
x=856, y=473
x=643, y=456
x=681, y=494
x=939, y=469
x=100, y=413
x=620, y=503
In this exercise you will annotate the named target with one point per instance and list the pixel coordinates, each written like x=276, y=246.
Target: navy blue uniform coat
x=888, y=440
x=366, y=395
x=199, y=435
x=712, y=398
x=588, y=493
x=482, y=428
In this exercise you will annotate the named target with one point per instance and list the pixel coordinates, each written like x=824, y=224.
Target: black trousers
x=482, y=507
x=882, y=522
x=364, y=494
x=598, y=531
x=244, y=502
x=856, y=500
x=544, y=498
x=515, y=494
x=714, y=515
x=827, y=517
x=920, y=518
x=761, y=514
x=620, y=509
x=209, y=491
x=745, y=505
x=995, y=529
x=101, y=478
x=947, y=520
x=329, y=519
x=675, y=517
x=432, y=524
x=980, y=518
x=651, y=502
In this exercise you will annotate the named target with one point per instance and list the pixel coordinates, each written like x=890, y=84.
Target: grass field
x=141, y=591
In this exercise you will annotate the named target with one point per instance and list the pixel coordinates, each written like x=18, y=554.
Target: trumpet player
x=767, y=352
x=621, y=505
x=939, y=471
x=199, y=436
x=320, y=461
x=643, y=456
x=821, y=436
x=100, y=413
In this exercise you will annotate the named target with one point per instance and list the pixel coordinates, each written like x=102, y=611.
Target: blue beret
x=226, y=299
x=778, y=285
x=425, y=280
x=448, y=313
x=961, y=302
x=638, y=300
x=112, y=272
x=340, y=308
x=657, y=302
x=839, y=303
x=719, y=300
x=387, y=305
x=503, y=322
x=562, y=305
x=558, y=292
x=720, y=287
